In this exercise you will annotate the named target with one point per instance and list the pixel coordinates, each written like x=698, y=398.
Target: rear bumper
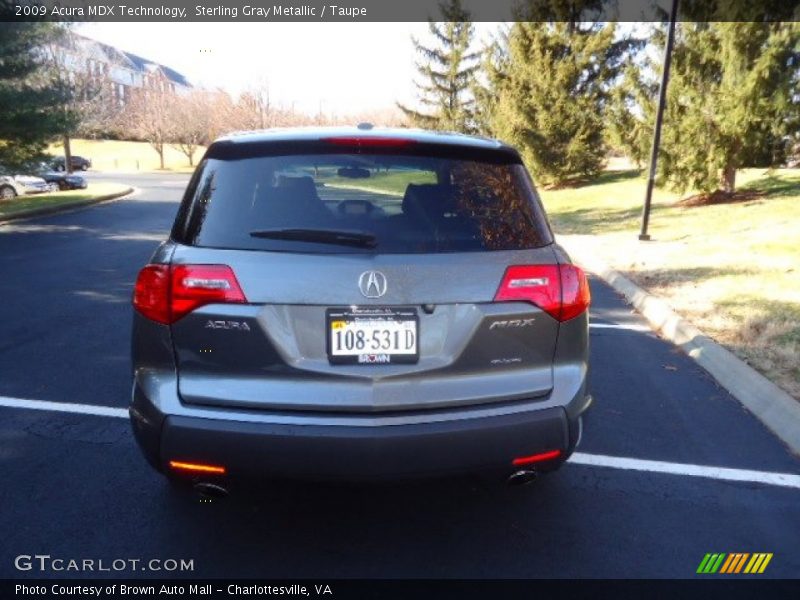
x=354, y=453
x=373, y=450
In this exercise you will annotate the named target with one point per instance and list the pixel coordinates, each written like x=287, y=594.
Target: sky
x=335, y=68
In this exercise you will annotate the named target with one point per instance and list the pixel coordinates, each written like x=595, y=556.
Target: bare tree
x=192, y=122
x=149, y=116
x=255, y=106
x=381, y=117
x=222, y=113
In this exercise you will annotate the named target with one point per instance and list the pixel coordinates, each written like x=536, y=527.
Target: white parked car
x=19, y=185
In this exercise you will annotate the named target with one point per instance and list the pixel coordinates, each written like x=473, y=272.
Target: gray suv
x=355, y=304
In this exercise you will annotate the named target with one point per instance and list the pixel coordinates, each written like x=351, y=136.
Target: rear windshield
x=361, y=203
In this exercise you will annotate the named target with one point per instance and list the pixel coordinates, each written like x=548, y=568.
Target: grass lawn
x=22, y=203
x=732, y=269
x=113, y=155
x=393, y=183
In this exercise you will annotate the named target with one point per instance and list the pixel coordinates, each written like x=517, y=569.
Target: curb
x=770, y=404
x=51, y=210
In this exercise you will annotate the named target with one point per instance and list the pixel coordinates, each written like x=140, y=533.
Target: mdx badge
x=510, y=324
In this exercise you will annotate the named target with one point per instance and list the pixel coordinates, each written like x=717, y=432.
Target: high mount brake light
x=370, y=142
x=166, y=293
x=562, y=291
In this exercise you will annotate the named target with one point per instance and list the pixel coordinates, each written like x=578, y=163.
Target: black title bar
x=217, y=589
x=393, y=10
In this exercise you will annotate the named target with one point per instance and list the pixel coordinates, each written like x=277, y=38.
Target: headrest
x=429, y=200
x=302, y=185
x=292, y=202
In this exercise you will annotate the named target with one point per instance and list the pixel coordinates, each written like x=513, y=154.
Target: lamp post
x=662, y=100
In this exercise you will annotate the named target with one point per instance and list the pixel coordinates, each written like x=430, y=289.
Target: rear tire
x=7, y=192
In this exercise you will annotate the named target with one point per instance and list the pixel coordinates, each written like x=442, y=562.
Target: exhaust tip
x=211, y=490
x=522, y=477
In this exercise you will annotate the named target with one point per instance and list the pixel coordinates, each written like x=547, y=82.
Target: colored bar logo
x=736, y=562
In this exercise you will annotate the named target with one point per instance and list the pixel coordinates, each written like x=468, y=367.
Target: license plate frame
x=371, y=314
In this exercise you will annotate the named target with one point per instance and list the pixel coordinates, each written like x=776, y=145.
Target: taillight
x=151, y=294
x=166, y=293
x=194, y=286
x=562, y=291
x=575, y=295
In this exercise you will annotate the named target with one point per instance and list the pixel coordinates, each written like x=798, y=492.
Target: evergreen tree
x=488, y=80
x=630, y=115
x=29, y=102
x=731, y=103
x=446, y=74
x=548, y=91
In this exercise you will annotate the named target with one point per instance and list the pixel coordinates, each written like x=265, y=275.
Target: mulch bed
x=721, y=197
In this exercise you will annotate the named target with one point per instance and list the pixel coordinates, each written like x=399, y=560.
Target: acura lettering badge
x=372, y=284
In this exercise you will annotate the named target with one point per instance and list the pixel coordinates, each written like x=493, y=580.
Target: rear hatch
x=361, y=276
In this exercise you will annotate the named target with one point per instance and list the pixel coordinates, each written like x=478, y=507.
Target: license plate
x=372, y=336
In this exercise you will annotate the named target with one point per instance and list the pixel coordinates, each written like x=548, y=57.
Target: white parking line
x=67, y=407
x=656, y=466
x=579, y=458
x=619, y=326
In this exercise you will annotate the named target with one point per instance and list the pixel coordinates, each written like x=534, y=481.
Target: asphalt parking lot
x=75, y=485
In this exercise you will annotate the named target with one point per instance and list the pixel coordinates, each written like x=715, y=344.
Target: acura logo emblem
x=372, y=284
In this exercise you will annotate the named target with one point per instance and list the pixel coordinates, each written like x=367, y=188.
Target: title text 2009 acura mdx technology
x=356, y=304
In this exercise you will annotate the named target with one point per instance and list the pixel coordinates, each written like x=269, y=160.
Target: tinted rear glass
x=399, y=203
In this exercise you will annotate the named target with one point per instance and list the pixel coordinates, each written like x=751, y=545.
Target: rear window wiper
x=322, y=236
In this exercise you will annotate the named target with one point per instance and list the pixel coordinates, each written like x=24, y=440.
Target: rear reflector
x=562, y=291
x=536, y=458
x=166, y=293
x=196, y=467
x=370, y=142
